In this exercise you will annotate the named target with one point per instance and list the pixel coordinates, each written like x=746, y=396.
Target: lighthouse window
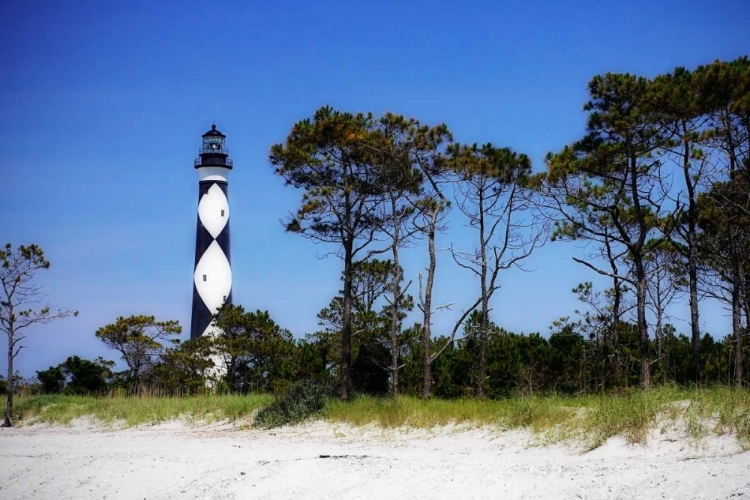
x=224, y=299
x=222, y=213
x=204, y=277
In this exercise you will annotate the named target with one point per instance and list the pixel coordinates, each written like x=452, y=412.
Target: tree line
x=262, y=357
x=657, y=186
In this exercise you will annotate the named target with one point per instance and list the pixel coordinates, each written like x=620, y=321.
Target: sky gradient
x=102, y=105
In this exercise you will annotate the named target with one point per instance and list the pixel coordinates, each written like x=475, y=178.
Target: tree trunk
x=615, y=334
x=737, y=328
x=483, y=339
x=583, y=370
x=427, y=318
x=670, y=355
x=636, y=249
x=485, y=302
x=660, y=341
x=396, y=289
x=692, y=258
x=9, y=404
x=735, y=256
x=695, y=329
x=231, y=371
x=346, y=327
x=642, y=324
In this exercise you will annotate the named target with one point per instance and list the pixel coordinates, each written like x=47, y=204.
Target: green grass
x=536, y=413
x=590, y=418
x=134, y=410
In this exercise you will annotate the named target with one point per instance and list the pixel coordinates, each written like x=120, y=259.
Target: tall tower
x=212, y=278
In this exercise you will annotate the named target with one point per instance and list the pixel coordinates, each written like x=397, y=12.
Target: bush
x=303, y=400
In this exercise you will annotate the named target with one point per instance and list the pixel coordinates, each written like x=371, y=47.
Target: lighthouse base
x=218, y=371
x=215, y=374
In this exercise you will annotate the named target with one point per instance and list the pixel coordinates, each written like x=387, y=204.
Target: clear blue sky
x=102, y=105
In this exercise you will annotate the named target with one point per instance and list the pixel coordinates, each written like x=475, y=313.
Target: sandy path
x=175, y=461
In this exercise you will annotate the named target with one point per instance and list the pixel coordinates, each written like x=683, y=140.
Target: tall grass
x=591, y=418
x=134, y=410
x=410, y=412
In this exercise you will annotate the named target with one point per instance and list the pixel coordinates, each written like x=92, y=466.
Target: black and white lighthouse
x=212, y=277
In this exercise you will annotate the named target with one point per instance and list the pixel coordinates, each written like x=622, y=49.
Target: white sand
x=219, y=461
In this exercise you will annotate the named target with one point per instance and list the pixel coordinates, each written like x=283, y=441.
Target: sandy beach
x=322, y=460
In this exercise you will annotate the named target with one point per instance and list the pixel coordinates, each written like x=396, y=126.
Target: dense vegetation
x=590, y=419
x=658, y=186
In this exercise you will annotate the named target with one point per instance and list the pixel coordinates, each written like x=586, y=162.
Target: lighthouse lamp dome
x=213, y=152
x=213, y=141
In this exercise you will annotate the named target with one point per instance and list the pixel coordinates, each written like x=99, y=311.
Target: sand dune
x=320, y=460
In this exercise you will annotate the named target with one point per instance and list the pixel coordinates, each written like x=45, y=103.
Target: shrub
x=303, y=400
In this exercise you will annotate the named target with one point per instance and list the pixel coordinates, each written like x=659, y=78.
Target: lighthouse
x=212, y=275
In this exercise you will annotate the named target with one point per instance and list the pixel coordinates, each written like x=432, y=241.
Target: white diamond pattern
x=215, y=266
x=213, y=210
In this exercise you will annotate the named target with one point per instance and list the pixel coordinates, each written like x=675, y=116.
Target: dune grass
x=591, y=418
x=135, y=410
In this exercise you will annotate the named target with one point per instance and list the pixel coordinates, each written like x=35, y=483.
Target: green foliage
x=256, y=352
x=3, y=386
x=86, y=377
x=361, y=177
x=371, y=316
x=326, y=157
x=569, y=361
x=489, y=168
x=52, y=380
x=303, y=400
x=615, y=187
x=330, y=159
x=184, y=369
x=76, y=376
x=311, y=361
x=139, y=339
